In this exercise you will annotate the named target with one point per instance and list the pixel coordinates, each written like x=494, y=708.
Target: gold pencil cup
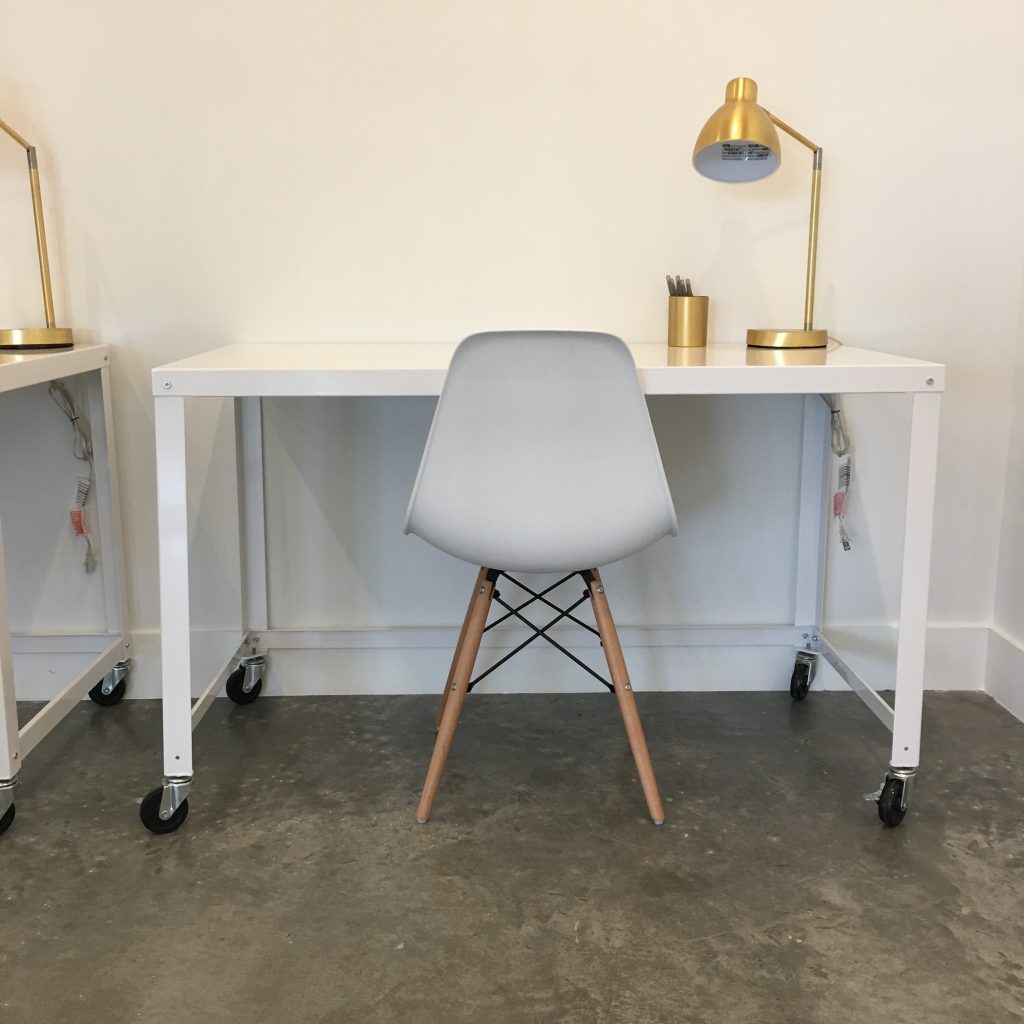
x=688, y=321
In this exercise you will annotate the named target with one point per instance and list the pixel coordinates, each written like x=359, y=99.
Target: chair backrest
x=541, y=457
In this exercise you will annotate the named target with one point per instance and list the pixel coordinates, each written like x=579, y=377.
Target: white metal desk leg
x=246, y=682
x=913, y=627
x=10, y=747
x=252, y=512
x=811, y=534
x=108, y=515
x=165, y=808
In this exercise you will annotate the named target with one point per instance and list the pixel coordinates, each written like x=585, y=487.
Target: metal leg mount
x=115, y=676
x=254, y=666
x=174, y=794
x=245, y=684
x=110, y=690
x=7, y=794
x=804, y=670
x=165, y=808
x=893, y=797
x=906, y=777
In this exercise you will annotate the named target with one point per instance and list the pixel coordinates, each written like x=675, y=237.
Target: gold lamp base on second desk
x=759, y=337
x=27, y=338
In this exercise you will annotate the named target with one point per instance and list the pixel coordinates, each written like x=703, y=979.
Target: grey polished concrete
x=301, y=888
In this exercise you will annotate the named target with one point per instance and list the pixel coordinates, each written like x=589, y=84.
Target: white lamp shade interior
x=736, y=161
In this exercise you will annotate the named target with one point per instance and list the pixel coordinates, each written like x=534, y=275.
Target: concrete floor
x=301, y=889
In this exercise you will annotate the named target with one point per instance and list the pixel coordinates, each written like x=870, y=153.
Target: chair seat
x=514, y=545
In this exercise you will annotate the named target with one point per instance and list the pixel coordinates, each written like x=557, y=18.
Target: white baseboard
x=392, y=661
x=1005, y=671
x=410, y=661
x=955, y=655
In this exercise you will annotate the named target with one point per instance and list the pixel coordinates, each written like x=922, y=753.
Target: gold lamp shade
x=739, y=143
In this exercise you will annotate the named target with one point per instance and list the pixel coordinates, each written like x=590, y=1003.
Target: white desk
x=248, y=373
x=104, y=675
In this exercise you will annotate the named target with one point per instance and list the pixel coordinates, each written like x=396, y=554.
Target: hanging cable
x=840, y=439
x=82, y=449
x=841, y=449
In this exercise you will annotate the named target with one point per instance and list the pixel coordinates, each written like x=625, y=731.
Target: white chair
x=541, y=459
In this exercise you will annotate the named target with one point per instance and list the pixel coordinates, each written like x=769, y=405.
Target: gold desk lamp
x=739, y=143
x=50, y=336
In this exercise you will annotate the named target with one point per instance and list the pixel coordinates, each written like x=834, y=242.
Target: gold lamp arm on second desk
x=37, y=214
x=812, y=239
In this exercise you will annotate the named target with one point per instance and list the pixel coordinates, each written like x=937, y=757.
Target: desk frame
x=248, y=374
x=111, y=650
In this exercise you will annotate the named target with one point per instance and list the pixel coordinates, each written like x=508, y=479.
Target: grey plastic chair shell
x=541, y=456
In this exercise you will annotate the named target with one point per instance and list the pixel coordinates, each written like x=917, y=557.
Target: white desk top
x=23, y=369
x=418, y=368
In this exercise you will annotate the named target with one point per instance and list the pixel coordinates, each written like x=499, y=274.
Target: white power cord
x=82, y=449
x=841, y=449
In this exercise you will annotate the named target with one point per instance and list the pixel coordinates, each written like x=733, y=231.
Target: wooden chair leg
x=481, y=579
x=462, y=671
x=627, y=702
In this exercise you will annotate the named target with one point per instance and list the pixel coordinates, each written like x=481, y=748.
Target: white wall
x=357, y=170
x=1005, y=676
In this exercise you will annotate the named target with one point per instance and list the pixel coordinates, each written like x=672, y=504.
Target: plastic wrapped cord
x=82, y=449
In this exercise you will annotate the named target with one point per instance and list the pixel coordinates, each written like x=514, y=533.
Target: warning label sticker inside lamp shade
x=745, y=151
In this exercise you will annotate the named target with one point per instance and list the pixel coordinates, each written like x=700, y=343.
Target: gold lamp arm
x=14, y=135
x=37, y=214
x=812, y=240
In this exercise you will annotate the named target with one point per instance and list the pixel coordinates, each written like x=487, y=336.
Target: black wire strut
x=541, y=631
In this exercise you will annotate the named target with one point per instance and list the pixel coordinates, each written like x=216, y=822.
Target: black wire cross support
x=515, y=611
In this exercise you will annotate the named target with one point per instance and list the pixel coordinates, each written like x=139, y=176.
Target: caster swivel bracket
x=907, y=775
x=115, y=676
x=254, y=665
x=173, y=796
x=7, y=794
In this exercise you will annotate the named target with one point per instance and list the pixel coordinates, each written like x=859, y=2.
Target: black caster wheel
x=892, y=807
x=149, y=812
x=800, y=681
x=234, y=687
x=108, y=700
x=7, y=820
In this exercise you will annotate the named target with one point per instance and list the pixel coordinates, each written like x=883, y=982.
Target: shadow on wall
x=339, y=476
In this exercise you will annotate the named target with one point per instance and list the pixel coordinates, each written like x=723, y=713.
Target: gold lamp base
x=22, y=338
x=760, y=337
